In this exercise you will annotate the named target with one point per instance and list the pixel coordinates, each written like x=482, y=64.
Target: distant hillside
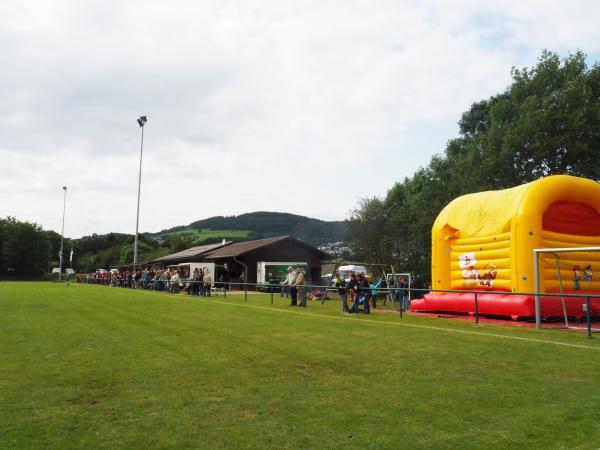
x=263, y=224
x=104, y=251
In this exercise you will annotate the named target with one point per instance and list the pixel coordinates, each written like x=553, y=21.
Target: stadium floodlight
x=62, y=235
x=141, y=122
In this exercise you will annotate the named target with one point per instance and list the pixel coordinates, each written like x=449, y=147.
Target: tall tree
x=545, y=122
x=24, y=248
x=368, y=227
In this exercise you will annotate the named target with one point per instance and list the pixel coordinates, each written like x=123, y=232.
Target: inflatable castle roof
x=491, y=212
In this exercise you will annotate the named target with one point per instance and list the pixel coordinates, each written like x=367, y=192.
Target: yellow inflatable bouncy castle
x=485, y=241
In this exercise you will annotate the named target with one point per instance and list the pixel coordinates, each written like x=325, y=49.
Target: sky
x=295, y=106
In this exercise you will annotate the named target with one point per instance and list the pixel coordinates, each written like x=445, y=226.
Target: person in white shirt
x=291, y=282
x=285, y=285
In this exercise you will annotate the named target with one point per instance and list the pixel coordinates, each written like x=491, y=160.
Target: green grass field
x=201, y=235
x=91, y=366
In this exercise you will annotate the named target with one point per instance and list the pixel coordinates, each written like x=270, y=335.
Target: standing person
x=340, y=284
x=158, y=280
x=285, y=286
x=374, y=288
x=175, y=282
x=195, y=284
x=163, y=282
x=290, y=281
x=403, y=285
x=300, y=285
x=207, y=280
x=365, y=293
x=201, y=280
x=398, y=291
x=222, y=281
x=145, y=278
x=354, y=289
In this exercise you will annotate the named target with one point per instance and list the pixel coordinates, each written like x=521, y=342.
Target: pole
x=560, y=285
x=536, y=274
x=62, y=235
x=588, y=315
x=272, y=287
x=137, y=219
x=395, y=283
x=401, y=293
x=476, y=310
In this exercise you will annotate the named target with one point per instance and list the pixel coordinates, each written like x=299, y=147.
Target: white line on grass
x=413, y=325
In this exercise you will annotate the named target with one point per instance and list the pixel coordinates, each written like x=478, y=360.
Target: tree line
x=546, y=122
x=28, y=251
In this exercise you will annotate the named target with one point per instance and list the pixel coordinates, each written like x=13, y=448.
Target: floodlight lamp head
x=64, y=188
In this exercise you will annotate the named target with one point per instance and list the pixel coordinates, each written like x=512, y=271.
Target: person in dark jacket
x=364, y=296
x=403, y=288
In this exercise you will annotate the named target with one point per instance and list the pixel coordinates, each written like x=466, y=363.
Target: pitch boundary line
x=411, y=325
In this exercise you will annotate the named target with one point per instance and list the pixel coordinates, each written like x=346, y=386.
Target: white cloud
x=291, y=106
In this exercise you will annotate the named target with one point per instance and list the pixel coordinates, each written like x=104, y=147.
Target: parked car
x=346, y=270
x=68, y=271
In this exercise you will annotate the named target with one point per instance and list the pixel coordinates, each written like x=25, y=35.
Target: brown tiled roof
x=239, y=248
x=193, y=251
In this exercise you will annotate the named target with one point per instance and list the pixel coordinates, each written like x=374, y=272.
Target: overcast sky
x=295, y=106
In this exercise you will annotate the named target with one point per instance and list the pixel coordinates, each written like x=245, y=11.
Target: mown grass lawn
x=90, y=366
x=199, y=235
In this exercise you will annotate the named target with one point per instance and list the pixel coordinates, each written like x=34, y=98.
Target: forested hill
x=266, y=224
x=26, y=250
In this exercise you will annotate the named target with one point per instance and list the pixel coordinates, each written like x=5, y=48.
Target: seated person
x=354, y=289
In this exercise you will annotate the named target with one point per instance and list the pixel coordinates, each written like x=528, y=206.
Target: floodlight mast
x=62, y=235
x=141, y=122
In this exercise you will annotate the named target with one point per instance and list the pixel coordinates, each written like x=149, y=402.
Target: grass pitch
x=90, y=366
x=199, y=235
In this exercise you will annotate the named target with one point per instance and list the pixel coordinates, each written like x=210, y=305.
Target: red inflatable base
x=513, y=306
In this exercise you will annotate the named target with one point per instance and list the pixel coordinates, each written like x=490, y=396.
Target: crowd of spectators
x=155, y=279
x=361, y=290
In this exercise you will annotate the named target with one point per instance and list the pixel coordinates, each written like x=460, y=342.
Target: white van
x=345, y=271
x=206, y=267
